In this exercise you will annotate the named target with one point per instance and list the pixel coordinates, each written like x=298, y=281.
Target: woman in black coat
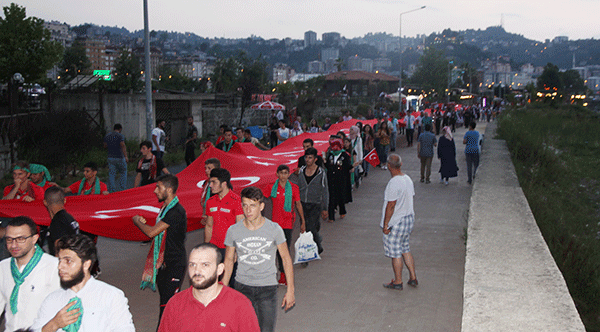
x=338, y=164
x=447, y=154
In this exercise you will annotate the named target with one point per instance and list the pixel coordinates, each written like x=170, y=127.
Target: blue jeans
x=393, y=140
x=472, y=164
x=117, y=166
x=264, y=301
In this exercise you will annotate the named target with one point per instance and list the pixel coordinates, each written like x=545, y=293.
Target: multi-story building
x=310, y=38
x=282, y=72
x=353, y=63
x=382, y=64
x=329, y=53
x=316, y=67
x=95, y=50
x=331, y=38
x=366, y=65
x=59, y=32
x=155, y=59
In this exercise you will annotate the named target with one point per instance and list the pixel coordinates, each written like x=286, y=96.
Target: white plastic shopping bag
x=306, y=249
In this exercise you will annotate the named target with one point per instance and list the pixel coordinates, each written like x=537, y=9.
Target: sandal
x=392, y=285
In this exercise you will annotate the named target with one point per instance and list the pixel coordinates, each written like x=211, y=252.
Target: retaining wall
x=511, y=280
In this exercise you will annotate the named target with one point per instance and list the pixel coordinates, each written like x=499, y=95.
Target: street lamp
x=400, y=49
x=449, y=77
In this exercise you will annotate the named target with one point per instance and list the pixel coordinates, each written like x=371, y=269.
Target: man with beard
x=40, y=175
x=167, y=269
x=83, y=303
x=27, y=277
x=208, y=305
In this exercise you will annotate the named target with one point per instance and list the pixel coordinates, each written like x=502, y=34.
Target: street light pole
x=400, y=49
x=449, y=76
x=148, y=74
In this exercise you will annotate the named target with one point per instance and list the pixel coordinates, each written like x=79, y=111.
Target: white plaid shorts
x=396, y=243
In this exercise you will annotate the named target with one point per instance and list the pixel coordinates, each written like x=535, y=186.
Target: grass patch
x=555, y=151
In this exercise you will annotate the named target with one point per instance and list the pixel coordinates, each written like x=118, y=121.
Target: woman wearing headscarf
x=447, y=155
x=338, y=163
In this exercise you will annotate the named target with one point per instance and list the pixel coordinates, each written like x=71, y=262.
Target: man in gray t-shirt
x=425, y=145
x=256, y=241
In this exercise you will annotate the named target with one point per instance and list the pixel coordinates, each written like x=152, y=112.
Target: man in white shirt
x=397, y=221
x=36, y=273
x=159, y=138
x=83, y=302
x=409, y=120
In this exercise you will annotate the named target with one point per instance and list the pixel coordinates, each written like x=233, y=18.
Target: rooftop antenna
x=502, y=20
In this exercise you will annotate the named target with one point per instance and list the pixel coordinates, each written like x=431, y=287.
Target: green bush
x=555, y=153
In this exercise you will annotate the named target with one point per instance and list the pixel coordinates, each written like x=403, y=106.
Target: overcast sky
x=534, y=19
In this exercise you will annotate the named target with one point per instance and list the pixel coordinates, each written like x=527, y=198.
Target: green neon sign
x=103, y=74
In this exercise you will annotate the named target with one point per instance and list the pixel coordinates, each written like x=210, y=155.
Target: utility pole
x=148, y=74
x=400, y=50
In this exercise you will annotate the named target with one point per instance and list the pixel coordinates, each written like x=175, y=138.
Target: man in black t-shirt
x=306, y=144
x=149, y=167
x=190, y=142
x=172, y=220
x=62, y=222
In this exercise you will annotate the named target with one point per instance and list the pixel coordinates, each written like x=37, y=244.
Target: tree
x=25, y=46
x=432, y=71
x=128, y=76
x=225, y=75
x=74, y=62
x=252, y=79
x=550, y=79
x=572, y=82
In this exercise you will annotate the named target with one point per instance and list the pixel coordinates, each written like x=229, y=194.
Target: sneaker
x=282, y=280
x=413, y=283
x=422, y=180
x=392, y=285
x=441, y=180
x=427, y=181
x=446, y=182
x=305, y=264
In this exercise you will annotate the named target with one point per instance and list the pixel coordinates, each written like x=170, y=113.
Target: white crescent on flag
x=372, y=158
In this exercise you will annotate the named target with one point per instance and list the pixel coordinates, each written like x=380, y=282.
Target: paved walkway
x=343, y=291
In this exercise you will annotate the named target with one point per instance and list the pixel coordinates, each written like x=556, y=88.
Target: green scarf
x=287, y=205
x=226, y=147
x=22, y=168
x=19, y=277
x=95, y=188
x=156, y=251
x=207, y=196
x=336, y=153
x=75, y=326
x=36, y=169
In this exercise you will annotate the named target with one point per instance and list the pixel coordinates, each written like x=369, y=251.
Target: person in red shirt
x=223, y=209
x=40, y=175
x=285, y=196
x=208, y=305
x=22, y=189
x=90, y=184
x=221, y=138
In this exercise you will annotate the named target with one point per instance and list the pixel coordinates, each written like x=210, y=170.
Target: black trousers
x=190, y=154
x=312, y=215
x=288, y=240
x=168, y=282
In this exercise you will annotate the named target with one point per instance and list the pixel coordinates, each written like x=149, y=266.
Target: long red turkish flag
x=110, y=215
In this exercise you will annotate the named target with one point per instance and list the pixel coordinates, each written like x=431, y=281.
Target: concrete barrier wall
x=511, y=280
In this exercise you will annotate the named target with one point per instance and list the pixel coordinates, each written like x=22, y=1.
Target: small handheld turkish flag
x=372, y=158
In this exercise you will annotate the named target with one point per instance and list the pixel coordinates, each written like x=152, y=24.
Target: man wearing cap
x=40, y=175
x=22, y=189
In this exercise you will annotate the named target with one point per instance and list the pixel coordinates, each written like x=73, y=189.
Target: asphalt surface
x=343, y=291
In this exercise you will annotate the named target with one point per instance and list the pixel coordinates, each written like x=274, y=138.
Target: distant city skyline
x=537, y=20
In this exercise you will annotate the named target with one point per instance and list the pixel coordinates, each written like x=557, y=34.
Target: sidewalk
x=343, y=291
